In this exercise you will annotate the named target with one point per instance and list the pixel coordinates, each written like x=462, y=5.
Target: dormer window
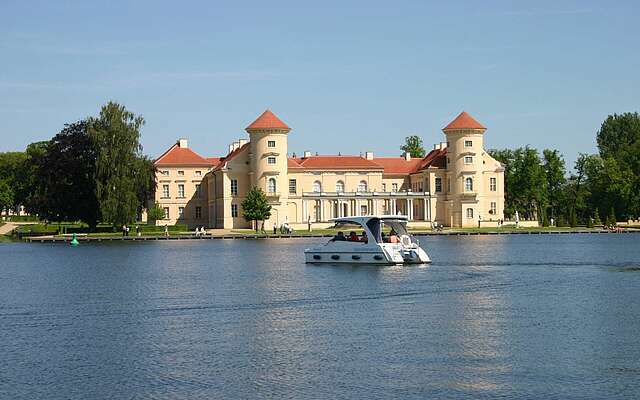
x=271, y=143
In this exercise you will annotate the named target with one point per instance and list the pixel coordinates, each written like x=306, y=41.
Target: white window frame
x=271, y=143
x=197, y=173
x=469, y=213
x=164, y=173
x=394, y=187
x=317, y=187
x=468, y=184
x=468, y=160
x=165, y=191
x=166, y=212
x=293, y=184
x=384, y=187
x=340, y=187
x=180, y=173
x=362, y=186
x=180, y=212
x=271, y=186
x=493, y=184
x=493, y=208
x=271, y=160
x=234, y=210
x=181, y=193
x=468, y=143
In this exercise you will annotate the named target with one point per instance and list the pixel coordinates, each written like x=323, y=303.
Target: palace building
x=456, y=184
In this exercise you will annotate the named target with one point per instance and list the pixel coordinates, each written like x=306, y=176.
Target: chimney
x=368, y=155
x=235, y=145
x=230, y=148
x=306, y=154
x=183, y=143
x=443, y=145
x=407, y=156
x=436, y=146
x=242, y=142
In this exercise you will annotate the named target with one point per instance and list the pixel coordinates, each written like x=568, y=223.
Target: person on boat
x=393, y=237
x=363, y=237
x=384, y=237
x=339, y=237
x=353, y=237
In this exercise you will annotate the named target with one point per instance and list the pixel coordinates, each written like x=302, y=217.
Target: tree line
x=602, y=188
x=92, y=171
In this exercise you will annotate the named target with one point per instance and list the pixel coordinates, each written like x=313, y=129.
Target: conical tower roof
x=268, y=120
x=463, y=121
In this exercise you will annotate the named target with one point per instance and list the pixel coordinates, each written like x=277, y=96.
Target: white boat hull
x=385, y=254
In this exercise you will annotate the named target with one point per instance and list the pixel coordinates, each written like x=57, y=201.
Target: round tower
x=268, y=160
x=465, y=148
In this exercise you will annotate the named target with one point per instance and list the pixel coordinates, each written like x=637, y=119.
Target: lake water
x=527, y=316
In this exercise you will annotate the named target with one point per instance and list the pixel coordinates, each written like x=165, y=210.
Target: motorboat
x=374, y=246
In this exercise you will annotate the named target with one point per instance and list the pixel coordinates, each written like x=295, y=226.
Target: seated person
x=339, y=237
x=363, y=238
x=353, y=237
x=384, y=237
x=393, y=237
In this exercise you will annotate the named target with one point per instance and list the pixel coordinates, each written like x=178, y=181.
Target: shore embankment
x=246, y=235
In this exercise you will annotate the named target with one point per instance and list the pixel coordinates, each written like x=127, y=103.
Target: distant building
x=455, y=184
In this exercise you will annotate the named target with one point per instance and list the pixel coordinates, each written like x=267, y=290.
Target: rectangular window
x=469, y=213
x=166, y=213
x=468, y=159
x=165, y=191
x=181, y=191
x=292, y=186
x=384, y=187
x=394, y=187
x=198, y=173
x=271, y=143
x=164, y=173
x=234, y=210
x=438, y=185
x=492, y=184
x=493, y=208
x=198, y=212
x=180, y=212
x=468, y=143
x=181, y=173
x=198, y=191
x=234, y=187
x=271, y=160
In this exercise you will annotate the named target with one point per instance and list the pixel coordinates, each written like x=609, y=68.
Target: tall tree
x=554, y=169
x=413, y=146
x=66, y=188
x=255, y=206
x=6, y=196
x=116, y=136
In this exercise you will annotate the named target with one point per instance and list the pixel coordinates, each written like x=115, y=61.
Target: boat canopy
x=372, y=224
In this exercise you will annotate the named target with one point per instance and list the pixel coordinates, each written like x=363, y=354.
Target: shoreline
x=243, y=236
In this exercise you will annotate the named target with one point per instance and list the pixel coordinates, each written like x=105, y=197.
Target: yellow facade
x=466, y=189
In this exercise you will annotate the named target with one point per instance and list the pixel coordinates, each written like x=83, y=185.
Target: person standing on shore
x=166, y=230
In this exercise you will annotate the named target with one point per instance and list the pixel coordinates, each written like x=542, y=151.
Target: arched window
x=468, y=184
x=272, y=185
x=339, y=186
x=362, y=186
x=317, y=186
x=470, y=213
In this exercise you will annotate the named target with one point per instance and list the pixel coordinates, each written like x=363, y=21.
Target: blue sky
x=346, y=76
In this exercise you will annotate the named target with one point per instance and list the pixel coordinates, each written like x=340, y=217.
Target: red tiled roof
x=436, y=158
x=268, y=120
x=231, y=156
x=463, y=121
x=293, y=163
x=214, y=160
x=398, y=165
x=177, y=155
x=337, y=162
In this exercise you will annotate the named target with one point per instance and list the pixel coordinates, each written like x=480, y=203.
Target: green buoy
x=74, y=240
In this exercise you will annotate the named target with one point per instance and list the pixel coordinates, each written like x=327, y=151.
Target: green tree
x=145, y=177
x=554, y=169
x=11, y=164
x=413, y=146
x=596, y=218
x=116, y=136
x=65, y=188
x=255, y=206
x=6, y=196
x=26, y=185
x=506, y=157
x=611, y=219
x=155, y=213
